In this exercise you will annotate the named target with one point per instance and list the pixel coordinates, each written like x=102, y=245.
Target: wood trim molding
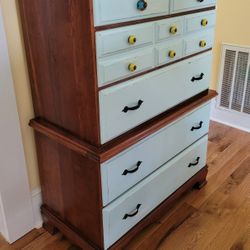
x=126, y=140
x=151, y=19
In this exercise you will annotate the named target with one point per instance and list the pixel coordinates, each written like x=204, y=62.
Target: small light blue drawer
x=187, y=5
x=200, y=21
x=169, y=52
x=124, y=65
x=198, y=42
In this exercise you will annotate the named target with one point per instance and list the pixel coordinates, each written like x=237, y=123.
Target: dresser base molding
x=52, y=223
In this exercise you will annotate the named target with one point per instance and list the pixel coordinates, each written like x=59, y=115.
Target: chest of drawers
x=120, y=92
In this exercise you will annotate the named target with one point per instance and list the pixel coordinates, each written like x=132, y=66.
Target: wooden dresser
x=120, y=92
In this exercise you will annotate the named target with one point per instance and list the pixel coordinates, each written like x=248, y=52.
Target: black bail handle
x=132, y=214
x=126, y=109
x=127, y=171
x=198, y=78
x=199, y=127
x=194, y=163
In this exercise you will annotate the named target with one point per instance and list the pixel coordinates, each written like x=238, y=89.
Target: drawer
x=186, y=5
x=133, y=206
x=125, y=65
x=126, y=38
x=127, y=105
x=200, y=21
x=113, y=11
x=128, y=168
x=199, y=41
x=168, y=52
x=169, y=28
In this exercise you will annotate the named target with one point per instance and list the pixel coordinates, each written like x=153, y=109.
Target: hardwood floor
x=214, y=218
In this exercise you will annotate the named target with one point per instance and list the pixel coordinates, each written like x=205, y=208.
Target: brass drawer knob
x=173, y=30
x=204, y=22
x=142, y=5
x=203, y=43
x=172, y=54
x=132, y=40
x=132, y=67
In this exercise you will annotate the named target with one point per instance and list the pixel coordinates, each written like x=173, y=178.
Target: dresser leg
x=50, y=228
x=200, y=184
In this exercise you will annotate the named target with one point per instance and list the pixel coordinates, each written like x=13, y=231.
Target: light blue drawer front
x=187, y=5
x=117, y=67
x=200, y=21
x=128, y=168
x=115, y=11
x=127, y=105
x=149, y=193
x=117, y=40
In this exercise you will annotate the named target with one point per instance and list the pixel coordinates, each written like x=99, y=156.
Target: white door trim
x=15, y=200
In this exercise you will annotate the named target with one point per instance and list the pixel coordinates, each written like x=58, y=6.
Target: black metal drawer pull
x=197, y=128
x=200, y=1
x=133, y=213
x=126, y=109
x=131, y=171
x=198, y=78
x=194, y=163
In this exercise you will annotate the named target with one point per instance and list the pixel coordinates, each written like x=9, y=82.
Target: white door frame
x=16, y=213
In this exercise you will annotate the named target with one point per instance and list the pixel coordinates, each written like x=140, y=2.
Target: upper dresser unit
x=114, y=11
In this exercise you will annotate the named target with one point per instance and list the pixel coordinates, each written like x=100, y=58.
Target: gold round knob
x=173, y=30
x=204, y=22
x=172, y=54
x=203, y=43
x=132, y=67
x=132, y=40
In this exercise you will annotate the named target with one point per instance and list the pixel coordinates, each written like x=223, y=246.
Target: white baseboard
x=37, y=202
x=232, y=119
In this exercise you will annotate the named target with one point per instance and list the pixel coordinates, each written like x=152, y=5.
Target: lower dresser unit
x=100, y=200
x=130, y=208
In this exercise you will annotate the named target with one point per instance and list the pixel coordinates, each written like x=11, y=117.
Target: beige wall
x=21, y=82
x=232, y=27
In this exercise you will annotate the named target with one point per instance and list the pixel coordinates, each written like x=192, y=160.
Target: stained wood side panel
x=60, y=47
x=71, y=187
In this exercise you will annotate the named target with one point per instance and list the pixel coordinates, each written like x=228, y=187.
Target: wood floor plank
x=198, y=231
x=233, y=234
x=198, y=197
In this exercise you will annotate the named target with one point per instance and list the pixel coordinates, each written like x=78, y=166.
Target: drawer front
x=128, y=64
x=201, y=21
x=186, y=5
x=169, y=52
x=199, y=42
x=126, y=38
x=133, y=206
x=128, y=168
x=127, y=105
x=169, y=28
x=113, y=11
